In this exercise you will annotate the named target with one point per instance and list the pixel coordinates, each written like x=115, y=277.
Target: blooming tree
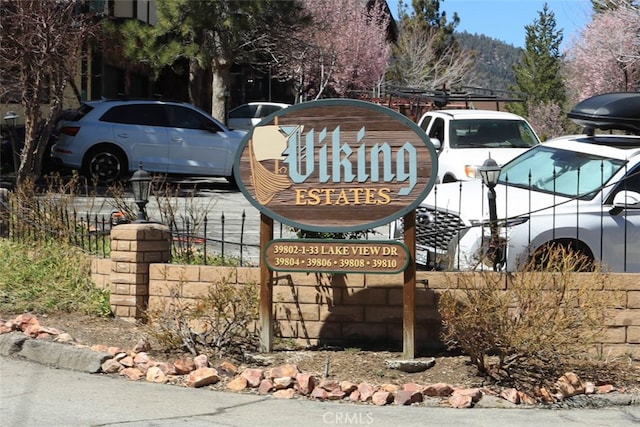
x=345, y=49
x=606, y=58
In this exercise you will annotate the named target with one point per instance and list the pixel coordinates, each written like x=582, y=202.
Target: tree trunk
x=221, y=71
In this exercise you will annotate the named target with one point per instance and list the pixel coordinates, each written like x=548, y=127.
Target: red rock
x=141, y=358
x=64, y=338
x=288, y=393
x=132, y=373
x=606, y=388
x=391, y=388
x=114, y=350
x=166, y=368
x=31, y=330
x=354, y=396
x=4, y=329
x=99, y=347
x=511, y=395
x=142, y=361
x=282, y=383
x=526, y=399
x=202, y=377
x=319, y=393
x=589, y=388
x=155, y=375
x=265, y=387
x=253, y=376
x=329, y=385
x=569, y=385
x=545, y=395
x=111, y=366
x=460, y=401
x=336, y=394
x=366, y=391
x=50, y=331
x=143, y=344
x=237, y=384
x=288, y=370
x=24, y=320
x=227, y=369
x=127, y=361
x=474, y=393
x=404, y=397
x=201, y=361
x=381, y=398
x=184, y=366
x=438, y=390
x=305, y=383
x=348, y=387
x=414, y=387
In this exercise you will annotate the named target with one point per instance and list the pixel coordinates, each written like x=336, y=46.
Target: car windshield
x=491, y=133
x=563, y=172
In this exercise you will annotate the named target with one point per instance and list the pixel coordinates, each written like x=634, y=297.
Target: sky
x=505, y=19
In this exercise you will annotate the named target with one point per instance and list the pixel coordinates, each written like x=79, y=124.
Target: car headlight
x=471, y=171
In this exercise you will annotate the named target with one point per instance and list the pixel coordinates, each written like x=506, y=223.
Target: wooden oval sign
x=336, y=165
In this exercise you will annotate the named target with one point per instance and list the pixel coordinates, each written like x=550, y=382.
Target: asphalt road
x=35, y=395
x=193, y=198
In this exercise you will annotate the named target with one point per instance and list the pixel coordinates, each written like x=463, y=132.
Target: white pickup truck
x=464, y=139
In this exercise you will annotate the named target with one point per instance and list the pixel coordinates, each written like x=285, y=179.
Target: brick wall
x=318, y=309
x=366, y=310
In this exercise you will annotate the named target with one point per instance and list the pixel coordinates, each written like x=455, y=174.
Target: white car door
x=621, y=234
x=197, y=145
x=140, y=130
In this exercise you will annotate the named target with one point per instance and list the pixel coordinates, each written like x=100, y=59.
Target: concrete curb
x=83, y=359
x=63, y=356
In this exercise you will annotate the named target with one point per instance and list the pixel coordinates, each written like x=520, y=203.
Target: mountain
x=494, y=60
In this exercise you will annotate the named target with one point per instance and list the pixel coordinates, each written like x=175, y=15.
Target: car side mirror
x=625, y=200
x=436, y=143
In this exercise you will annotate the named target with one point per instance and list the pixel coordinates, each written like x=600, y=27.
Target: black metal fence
x=451, y=235
x=204, y=243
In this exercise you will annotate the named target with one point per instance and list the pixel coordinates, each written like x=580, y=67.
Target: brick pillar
x=133, y=248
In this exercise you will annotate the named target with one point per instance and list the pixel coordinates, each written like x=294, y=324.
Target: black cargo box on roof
x=617, y=110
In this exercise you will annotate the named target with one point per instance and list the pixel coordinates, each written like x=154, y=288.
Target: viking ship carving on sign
x=268, y=143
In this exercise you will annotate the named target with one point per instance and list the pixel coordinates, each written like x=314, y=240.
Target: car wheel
x=231, y=179
x=105, y=165
x=563, y=255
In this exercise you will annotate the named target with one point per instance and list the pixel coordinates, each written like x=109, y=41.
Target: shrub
x=533, y=322
x=221, y=321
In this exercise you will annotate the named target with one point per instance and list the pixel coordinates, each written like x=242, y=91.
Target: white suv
x=580, y=191
x=108, y=139
x=464, y=138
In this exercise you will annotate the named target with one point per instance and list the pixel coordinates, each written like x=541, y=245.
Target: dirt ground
x=341, y=365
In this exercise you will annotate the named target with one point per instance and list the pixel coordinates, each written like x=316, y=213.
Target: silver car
x=108, y=139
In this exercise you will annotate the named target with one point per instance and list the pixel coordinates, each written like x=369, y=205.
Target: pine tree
x=212, y=35
x=538, y=74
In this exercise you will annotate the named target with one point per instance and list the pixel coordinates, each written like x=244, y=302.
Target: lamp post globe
x=141, y=189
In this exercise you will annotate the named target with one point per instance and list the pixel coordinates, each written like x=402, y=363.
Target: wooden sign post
x=336, y=166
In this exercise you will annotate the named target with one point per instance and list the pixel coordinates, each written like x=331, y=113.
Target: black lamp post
x=490, y=172
x=141, y=188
